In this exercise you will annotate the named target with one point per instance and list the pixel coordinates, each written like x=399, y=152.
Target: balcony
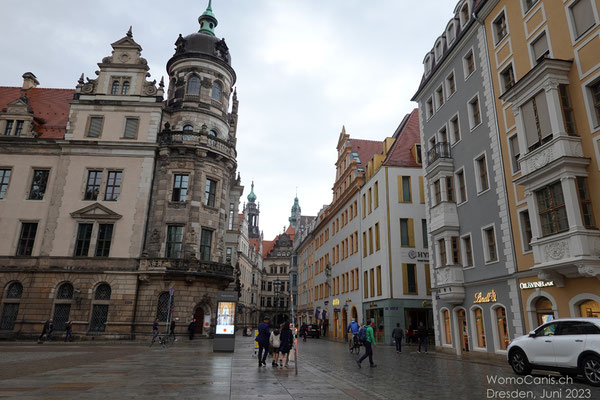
x=449, y=283
x=562, y=151
x=187, y=267
x=443, y=216
x=197, y=139
x=438, y=158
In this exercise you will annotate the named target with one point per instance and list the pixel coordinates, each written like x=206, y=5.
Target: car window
x=587, y=328
x=547, y=330
x=569, y=328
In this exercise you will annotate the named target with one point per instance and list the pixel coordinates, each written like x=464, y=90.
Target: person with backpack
x=398, y=335
x=366, y=336
x=274, y=343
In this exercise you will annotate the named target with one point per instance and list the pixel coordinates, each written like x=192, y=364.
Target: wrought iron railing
x=169, y=137
x=188, y=265
x=439, y=150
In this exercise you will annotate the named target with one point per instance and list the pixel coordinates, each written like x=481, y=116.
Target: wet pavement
x=326, y=370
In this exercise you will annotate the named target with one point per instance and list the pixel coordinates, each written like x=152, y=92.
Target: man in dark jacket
x=69, y=331
x=422, y=331
x=263, y=341
x=304, y=331
x=192, y=328
x=172, y=329
x=398, y=335
x=47, y=331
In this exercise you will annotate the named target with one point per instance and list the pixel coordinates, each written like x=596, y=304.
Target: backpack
x=362, y=334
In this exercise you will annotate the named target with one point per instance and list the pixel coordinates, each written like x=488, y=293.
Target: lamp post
x=276, y=285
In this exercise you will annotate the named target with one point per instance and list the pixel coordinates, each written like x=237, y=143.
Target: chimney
x=29, y=81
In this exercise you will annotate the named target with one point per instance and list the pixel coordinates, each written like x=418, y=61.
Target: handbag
x=293, y=355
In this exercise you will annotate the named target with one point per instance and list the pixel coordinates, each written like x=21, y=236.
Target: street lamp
x=276, y=285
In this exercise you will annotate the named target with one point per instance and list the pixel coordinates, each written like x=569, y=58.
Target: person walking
x=154, y=329
x=422, y=332
x=45, y=331
x=69, y=331
x=303, y=331
x=287, y=342
x=366, y=335
x=398, y=335
x=172, y=329
x=353, y=329
x=274, y=343
x=263, y=341
x=192, y=328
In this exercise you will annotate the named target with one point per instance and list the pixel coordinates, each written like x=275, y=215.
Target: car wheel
x=591, y=370
x=519, y=362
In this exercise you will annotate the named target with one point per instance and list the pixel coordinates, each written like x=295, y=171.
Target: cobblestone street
x=191, y=370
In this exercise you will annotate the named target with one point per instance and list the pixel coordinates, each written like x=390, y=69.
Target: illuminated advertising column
x=224, y=339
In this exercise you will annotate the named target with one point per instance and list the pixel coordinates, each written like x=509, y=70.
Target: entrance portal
x=199, y=316
x=462, y=326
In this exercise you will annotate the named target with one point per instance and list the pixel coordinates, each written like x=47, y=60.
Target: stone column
x=536, y=228
x=569, y=188
x=554, y=108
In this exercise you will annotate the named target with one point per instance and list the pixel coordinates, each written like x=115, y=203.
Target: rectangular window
x=82, y=242
x=540, y=47
x=567, y=110
x=421, y=190
x=526, y=230
x=442, y=251
x=508, y=78
x=404, y=233
x=205, y=244
x=500, y=30
x=536, y=118
x=455, y=129
x=180, y=187
x=4, y=180
x=513, y=144
x=450, y=188
x=409, y=278
x=364, y=244
x=366, y=285
x=419, y=154
x=105, y=232
x=437, y=190
x=439, y=96
x=376, y=193
x=113, y=185
x=174, y=241
x=490, y=239
x=466, y=240
x=131, y=128
x=529, y=3
x=455, y=250
x=450, y=84
x=230, y=224
x=583, y=16
x=95, y=127
x=595, y=92
x=370, y=240
x=462, y=189
x=429, y=108
x=379, y=291
x=92, y=187
x=364, y=206
x=405, y=194
x=483, y=177
x=469, y=63
x=19, y=129
x=27, y=238
x=585, y=202
x=228, y=252
x=9, y=126
x=427, y=279
x=372, y=277
x=210, y=193
x=475, y=113
x=377, y=243
x=370, y=200
x=443, y=135
x=424, y=230
x=38, y=184
x=552, y=211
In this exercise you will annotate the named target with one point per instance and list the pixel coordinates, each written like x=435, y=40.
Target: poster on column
x=225, y=318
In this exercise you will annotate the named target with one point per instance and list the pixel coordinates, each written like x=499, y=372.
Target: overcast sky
x=304, y=68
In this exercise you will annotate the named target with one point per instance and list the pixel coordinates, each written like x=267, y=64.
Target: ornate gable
x=96, y=211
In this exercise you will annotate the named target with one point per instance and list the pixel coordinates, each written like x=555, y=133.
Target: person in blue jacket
x=263, y=341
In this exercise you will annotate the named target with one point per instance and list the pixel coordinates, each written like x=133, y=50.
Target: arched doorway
x=543, y=310
x=461, y=316
x=199, y=317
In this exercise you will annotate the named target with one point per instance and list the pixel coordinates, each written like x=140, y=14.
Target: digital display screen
x=225, y=318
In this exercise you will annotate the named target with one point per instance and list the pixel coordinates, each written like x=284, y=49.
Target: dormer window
x=115, y=88
x=9, y=126
x=217, y=90
x=193, y=86
x=450, y=34
x=464, y=14
x=19, y=128
x=427, y=65
x=125, y=89
x=438, y=50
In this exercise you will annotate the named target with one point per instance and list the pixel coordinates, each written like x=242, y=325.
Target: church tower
x=253, y=214
x=296, y=212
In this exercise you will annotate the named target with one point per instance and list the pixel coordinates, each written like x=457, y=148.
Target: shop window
x=552, y=211
x=447, y=327
x=10, y=306
x=462, y=326
x=590, y=309
x=502, y=326
x=543, y=310
x=479, y=326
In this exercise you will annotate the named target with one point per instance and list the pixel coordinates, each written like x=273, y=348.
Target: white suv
x=567, y=345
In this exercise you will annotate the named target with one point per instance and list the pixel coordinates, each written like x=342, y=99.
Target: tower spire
x=208, y=21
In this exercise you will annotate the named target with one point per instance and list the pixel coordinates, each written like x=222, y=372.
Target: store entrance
x=462, y=327
x=376, y=315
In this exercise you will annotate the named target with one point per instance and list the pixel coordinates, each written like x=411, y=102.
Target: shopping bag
x=293, y=355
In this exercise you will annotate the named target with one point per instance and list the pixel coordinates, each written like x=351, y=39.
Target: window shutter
x=583, y=16
x=540, y=46
x=531, y=133
x=400, y=191
x=95, y=126
x=131, y=128
x=541, y=104
x=405, y=278
x=411, y=233
x=421, y=190
x=427, y=279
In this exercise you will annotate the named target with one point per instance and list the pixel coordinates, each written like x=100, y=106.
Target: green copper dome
x=252, y=196
x=208, y=21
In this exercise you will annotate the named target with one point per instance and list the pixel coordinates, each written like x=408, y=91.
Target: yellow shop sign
x=489, y=297
x=336, y=302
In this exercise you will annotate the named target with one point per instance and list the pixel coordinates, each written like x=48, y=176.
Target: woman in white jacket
x=275, y=342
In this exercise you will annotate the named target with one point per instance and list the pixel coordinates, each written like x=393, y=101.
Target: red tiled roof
x=400, y=154
x=50, y=108
x=291, y=232
x=267, y=247
x=366, y=149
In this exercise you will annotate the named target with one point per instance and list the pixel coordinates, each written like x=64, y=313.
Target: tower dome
x=252, y=196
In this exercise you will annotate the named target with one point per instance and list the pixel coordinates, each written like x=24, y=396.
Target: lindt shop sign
x=535, y=285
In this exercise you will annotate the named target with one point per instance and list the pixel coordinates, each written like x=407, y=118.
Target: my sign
x=533, y=285
x=336, y=302
x=420, y=256
x=489, y=297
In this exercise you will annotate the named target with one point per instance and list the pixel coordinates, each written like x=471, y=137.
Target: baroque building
x=121, y=207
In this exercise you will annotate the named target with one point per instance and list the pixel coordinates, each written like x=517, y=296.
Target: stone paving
x=190, y=370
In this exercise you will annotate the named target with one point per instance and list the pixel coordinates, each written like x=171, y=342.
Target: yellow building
x=545, y=65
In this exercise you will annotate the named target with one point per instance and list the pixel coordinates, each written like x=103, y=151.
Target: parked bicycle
x=354, y=345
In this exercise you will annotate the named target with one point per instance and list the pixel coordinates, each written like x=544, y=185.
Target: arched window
x=479, y=326
x=62, y=306
x=162, y=308
x=10, y=306
x=543, y=309
x=447, y=330
x=188, y=128
x=100, y=308
x=115, y=88
x=590, y=309
x=125, y=89
x=212, y=134
x=502, y=328
x=217, y=90
x=193, y=86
